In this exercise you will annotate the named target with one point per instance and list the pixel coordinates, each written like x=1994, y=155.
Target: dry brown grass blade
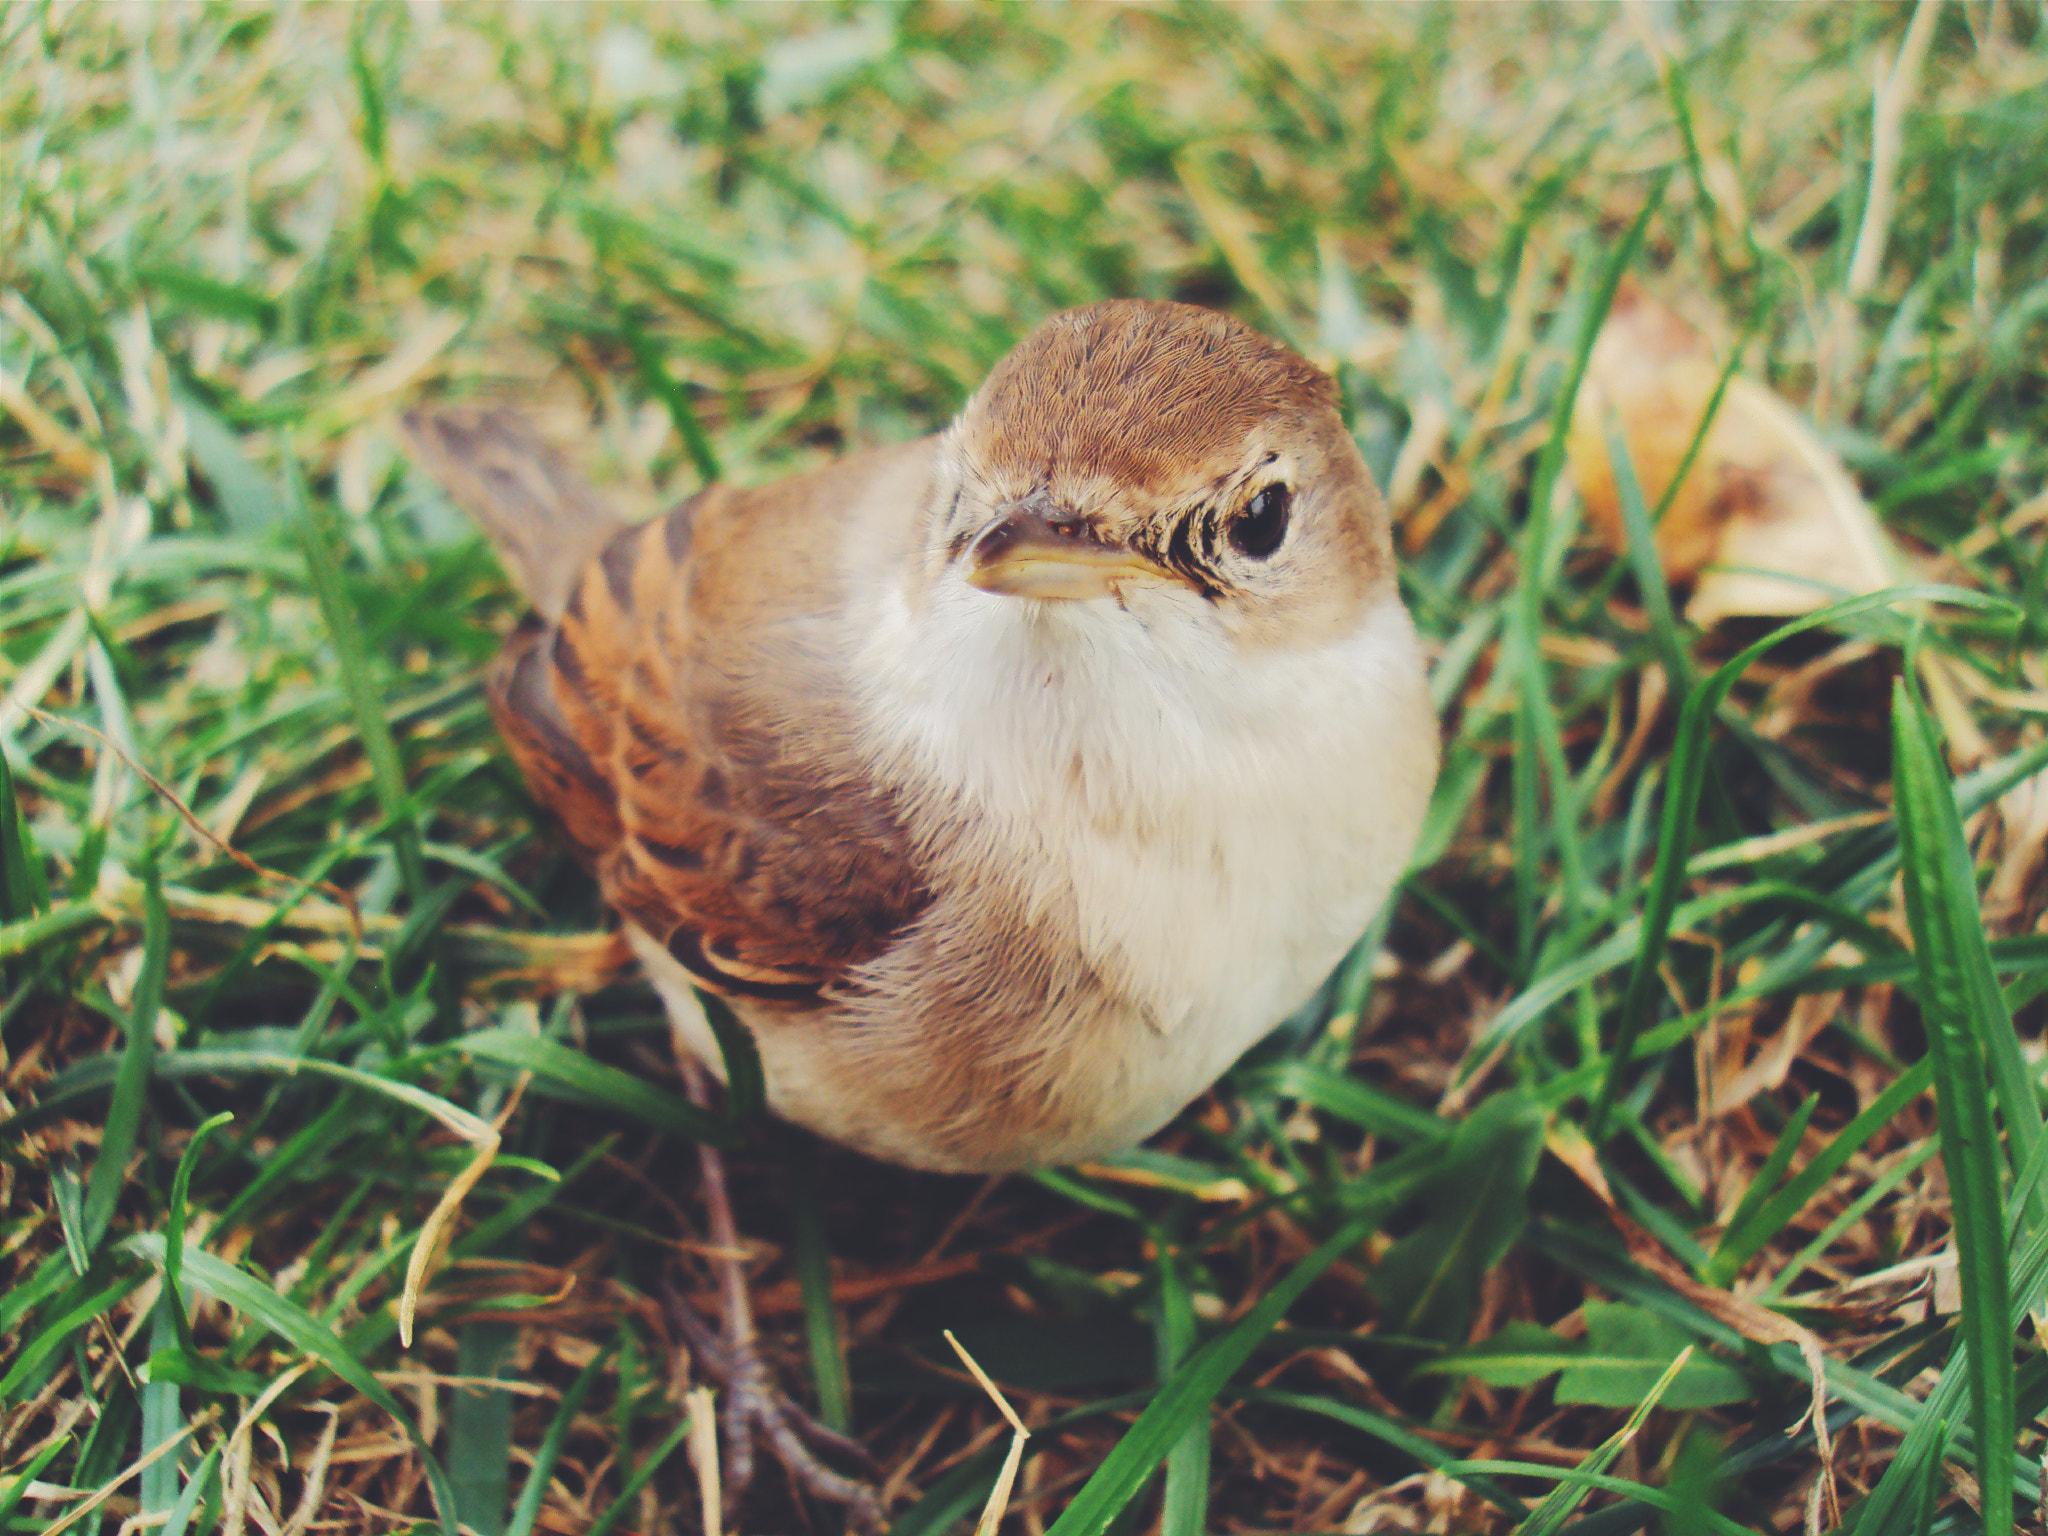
x=1226, y=1191
x=434, y=1228
x=703, y=1452
x=1894, y=89
x=998, y=1496
x=315, y=1489
x=131, y=1471
x=487, y=1139
x=492, y=959
x=44, y=430
x=239, y=1441
x=1234, y=233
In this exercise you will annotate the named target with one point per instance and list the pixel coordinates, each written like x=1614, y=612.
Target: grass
x=1710, y=1020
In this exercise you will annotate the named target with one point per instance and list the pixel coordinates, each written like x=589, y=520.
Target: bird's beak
x=1023, y=554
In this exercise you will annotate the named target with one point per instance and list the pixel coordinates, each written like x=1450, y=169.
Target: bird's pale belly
x=1191, y=952
x=1212, y=945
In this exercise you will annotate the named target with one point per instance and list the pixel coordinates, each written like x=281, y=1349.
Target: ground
x=1419, y=1256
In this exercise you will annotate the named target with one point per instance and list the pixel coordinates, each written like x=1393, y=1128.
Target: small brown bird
x=1011, y=782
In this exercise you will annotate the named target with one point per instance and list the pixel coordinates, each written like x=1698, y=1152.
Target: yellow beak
x=1025, y=555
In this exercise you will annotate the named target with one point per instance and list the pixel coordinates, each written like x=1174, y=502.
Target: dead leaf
x=1733, y=1083
x=2023, y=845
x=1767, y=523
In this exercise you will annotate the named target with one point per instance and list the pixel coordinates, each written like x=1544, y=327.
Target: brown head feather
x=1135, y=391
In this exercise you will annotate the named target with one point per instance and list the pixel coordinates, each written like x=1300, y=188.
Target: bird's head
x=1161, y=458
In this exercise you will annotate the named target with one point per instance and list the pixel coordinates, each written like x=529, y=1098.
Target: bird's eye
x=1262, y=527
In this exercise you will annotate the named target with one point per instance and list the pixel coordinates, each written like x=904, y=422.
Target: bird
x=1008, y=783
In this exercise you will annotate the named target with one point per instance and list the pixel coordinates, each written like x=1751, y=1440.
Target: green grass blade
x=182, y=287
x=1125, y=1471
x=674, y=396
x=248, y=501
x=131, y=1088
x=365, y=695
x=1537, y=736
x=1566, y=1496
x=1948, y=942
x=1850, y=1214
x=369, y=90
x=1789, y=969
x=2012, y=1083
x=643, y=1474
x=480, y=1428
x=51, y=1276
x=162, y=1417
x=195, y=1490
x=1344, y=1096
x=306, y=1333
x=55, y=1334
x=1185, y=1508
x=965, y=1489
x=1424, y=1450
x=569, y=1071
x=516, y=1212
x=93, y=1074
x=174, y=1225
x=31, y=933
x=258, y=939
x=24, y=891
x=1579, y=1481
x=1774, y=1166
x=746, y=1089
x=68, y=1197
x=527, y=1510
x=14, y=1489
x=2025, y=1185
x=1711, y=414
x=1640, y=529
x=1477, y=1204
x=1931, y=1480
x=813, y=1262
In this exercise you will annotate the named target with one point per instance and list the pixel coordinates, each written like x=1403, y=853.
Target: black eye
x=1262, y=527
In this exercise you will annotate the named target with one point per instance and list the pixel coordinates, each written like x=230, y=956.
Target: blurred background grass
x=733, y=240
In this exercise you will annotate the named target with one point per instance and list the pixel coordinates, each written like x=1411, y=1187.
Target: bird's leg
x=741, y=1361
x=752, y=1405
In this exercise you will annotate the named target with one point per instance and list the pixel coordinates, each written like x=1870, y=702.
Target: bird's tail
x=545, y=519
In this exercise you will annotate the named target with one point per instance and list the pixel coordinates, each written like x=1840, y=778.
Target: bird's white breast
x=1212, y=825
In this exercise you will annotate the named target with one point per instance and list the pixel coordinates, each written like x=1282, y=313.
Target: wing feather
x=717, y=796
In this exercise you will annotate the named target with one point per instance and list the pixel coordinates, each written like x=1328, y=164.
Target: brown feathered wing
x=699, y=759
